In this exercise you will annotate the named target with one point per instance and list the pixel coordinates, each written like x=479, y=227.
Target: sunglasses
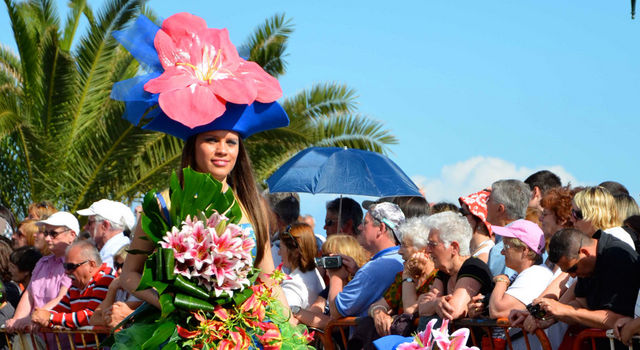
x=329, y=222
x=53, y=233
x=464, y=212
x=293, y=239
x=117, y=265
x=72, y=267
x=573, y=268
x=576, y=214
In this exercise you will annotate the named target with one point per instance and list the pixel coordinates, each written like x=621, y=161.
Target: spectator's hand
x=475, y=308
x=349, y=264
x=17, y=324
x=341, y=272
x=382, y=321
x=116, y=313
x=517, y=317
x=41, y=317
x=444, y=308
x=424, y=299
x=553, y=308
x=415, y=266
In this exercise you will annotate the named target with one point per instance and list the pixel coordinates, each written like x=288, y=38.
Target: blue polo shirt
x=369, y=283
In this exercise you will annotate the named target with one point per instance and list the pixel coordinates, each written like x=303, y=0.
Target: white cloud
x=476, y=173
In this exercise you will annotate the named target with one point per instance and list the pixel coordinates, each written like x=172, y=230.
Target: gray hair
x=417, y=230
x=453, y=227
x=88, y=250
x=514, y=195
x=114, y=226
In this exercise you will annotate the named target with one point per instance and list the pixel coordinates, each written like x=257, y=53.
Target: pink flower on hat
x=203, y=71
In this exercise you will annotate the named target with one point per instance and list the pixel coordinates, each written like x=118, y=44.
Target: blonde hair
x=346, y=245
x=29, y=228
x=598, y=207
x=516, y=242
x=626, y=205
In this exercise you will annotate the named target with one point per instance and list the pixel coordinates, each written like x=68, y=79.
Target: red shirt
x=77, y=306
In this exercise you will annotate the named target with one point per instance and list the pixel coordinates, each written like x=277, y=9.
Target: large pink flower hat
x=196, y=81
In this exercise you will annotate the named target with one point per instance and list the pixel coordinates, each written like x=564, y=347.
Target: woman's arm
x=501, y=304
x=22, y=315
x=455, y=306
x=555, y=289
x=266, y=269
x=133, y=265
x=427, y=302
x=379, y=312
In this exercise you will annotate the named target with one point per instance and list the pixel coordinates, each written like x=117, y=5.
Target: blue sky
x=474, y=91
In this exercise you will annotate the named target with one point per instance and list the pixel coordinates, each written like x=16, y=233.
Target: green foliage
x=63, y=139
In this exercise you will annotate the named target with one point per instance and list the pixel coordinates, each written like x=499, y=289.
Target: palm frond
x=267, y=44
x=10, y=64
x=321, y=100
x=78, y=8
x=353, y=131
x=94, y=55
x=27, y=46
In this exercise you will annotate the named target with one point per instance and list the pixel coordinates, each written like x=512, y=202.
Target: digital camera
x=329, y=262
x=536, y=311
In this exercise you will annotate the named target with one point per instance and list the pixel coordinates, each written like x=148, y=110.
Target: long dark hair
x=242, y=182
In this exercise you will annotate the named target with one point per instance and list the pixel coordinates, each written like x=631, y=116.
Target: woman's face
x=217, y=152
x=549, y=223
x=513, y=255
x=284, y=254
x=440, y=254
x=39, y=241
x=19, y=239
x=407, y=249
x=578, y=221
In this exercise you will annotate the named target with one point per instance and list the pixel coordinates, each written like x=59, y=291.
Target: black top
x=474, y=268
x=615, y=280
x=12, y=293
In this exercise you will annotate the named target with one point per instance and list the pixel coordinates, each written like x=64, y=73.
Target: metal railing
x=56, y=338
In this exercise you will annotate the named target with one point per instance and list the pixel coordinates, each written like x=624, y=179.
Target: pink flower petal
x=192, y=106
x=235, y=90
x=268, y=87
x=183, y=24
x=173, y=78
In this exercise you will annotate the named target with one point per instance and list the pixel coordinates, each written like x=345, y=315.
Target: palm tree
x=63, y=139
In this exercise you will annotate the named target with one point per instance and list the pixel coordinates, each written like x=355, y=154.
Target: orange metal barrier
x=60, y=337
x=591, y=334
x=342, y=326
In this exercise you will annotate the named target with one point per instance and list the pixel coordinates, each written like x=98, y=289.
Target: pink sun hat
x=526, y=231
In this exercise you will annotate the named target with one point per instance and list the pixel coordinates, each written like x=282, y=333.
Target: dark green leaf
x=190, y=288
x=163, y=331
x=190, y=303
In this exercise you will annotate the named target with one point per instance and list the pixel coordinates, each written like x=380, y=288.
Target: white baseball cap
x=62, y=219
x=113, y=211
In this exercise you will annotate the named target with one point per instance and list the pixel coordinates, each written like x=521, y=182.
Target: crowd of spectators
x=544, y=256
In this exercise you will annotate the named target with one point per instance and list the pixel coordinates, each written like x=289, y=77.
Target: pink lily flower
x=203, y=72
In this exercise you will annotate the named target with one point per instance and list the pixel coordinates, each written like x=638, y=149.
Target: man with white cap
x=49, y=282
x=378, y=235
x=107, y=221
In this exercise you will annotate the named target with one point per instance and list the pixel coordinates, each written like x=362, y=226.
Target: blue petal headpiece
x=244, y=119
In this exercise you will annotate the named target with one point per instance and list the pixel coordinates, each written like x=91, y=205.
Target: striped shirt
x=77, y=306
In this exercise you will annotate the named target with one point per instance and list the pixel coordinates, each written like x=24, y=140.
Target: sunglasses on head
x=293, y=239
x=577, y=214
x=72, y=267
x=53, y=233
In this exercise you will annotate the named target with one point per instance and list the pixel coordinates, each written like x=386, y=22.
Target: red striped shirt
x=77, y=306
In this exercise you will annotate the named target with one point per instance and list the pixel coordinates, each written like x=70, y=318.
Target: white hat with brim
x=62, y=219
x=113, y=211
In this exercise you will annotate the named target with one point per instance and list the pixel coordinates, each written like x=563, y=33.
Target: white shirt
x=303, y=287
x=621, y=234
x=112, y=246
x=530, y=283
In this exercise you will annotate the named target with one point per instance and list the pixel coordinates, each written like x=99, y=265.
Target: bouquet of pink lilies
x=431, y=339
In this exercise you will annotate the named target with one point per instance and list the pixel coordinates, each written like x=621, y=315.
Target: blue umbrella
x=342, y=171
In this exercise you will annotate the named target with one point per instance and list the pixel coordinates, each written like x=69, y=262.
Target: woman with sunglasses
x=594, y=211
x=474, y=208
x=298, y=250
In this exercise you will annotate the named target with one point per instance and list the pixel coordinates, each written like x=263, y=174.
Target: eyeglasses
x=329, y=222
x=464, y=212
x=576, y=214
x=53, y=233
x=432, y=244
x=72, y=267
x=573, y=268
x=288, y=233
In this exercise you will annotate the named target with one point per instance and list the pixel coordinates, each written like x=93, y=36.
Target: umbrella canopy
x=342, y=171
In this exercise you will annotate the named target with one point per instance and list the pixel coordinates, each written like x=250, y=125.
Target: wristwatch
x=408, y=279
x=295, y=309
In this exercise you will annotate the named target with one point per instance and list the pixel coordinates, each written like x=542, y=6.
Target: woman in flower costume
x=203, y=256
